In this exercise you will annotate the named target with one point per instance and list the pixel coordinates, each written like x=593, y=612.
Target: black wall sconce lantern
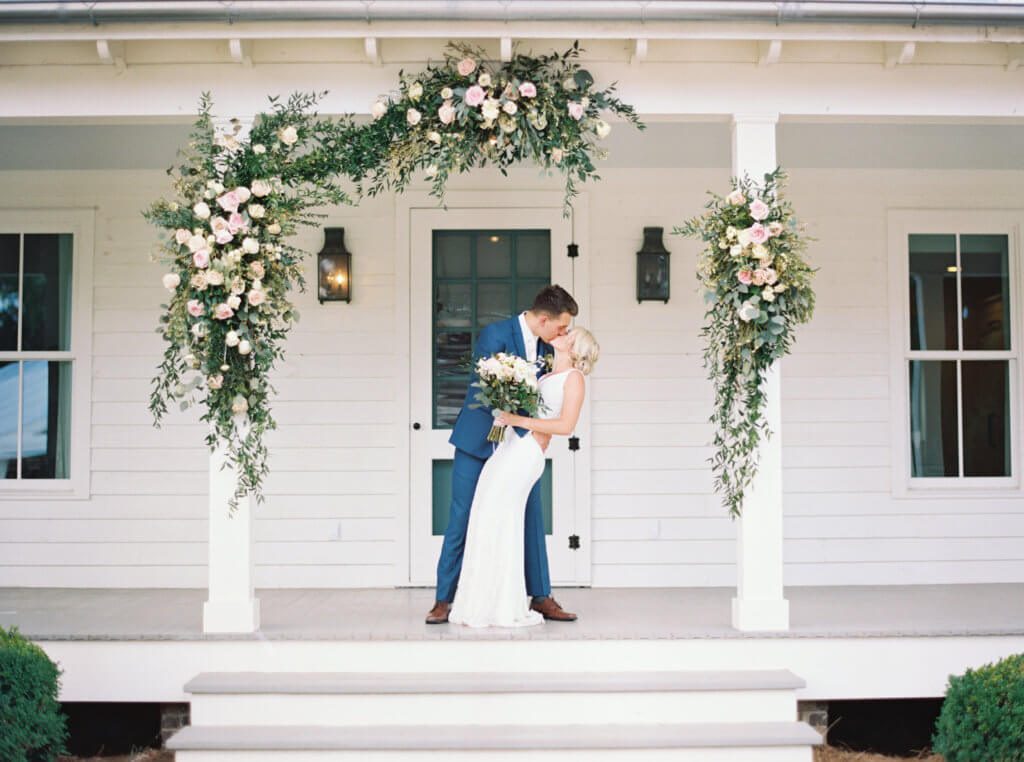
x=334, y=268
x=652, y=268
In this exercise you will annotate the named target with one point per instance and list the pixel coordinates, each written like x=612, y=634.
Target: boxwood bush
x=982, y=717
x=32, y=726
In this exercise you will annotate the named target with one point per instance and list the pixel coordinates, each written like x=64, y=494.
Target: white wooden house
x=882, y=548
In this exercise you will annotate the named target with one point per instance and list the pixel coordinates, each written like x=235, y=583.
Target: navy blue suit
x=469, y=435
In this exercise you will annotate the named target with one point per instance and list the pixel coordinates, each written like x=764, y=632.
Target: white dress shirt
x=529, y=340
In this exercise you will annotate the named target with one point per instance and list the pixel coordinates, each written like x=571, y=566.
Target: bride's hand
x=506, y=419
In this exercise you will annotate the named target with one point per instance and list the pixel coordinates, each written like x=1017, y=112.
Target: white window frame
x=80, y=223
x=902, y=223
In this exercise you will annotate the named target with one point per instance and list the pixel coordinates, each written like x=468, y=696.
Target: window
x=45, y=333
x=956, y=349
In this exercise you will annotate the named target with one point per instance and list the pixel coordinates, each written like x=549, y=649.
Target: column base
x=231, y=616
x=765, y=614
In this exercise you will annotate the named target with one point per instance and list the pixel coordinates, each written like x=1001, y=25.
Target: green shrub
x=982, y=717
x=32, y=726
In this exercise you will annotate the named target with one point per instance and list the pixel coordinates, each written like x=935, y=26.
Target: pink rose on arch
x=760, y=277
x=774, y=228
x=466, y=66
x=181, y=235
x=736, y=197
x=222, y=311
x=575, y=110
x=236, y=223
x=758, y=233
x=744, y=277
x=758, y=209
x=475, y=96
x=255, y=297
x=201, y=258
x=195, y=308
x=256, y=268
x=528, y=90
x=446, y=113
x=223, y=236
x=229, y=201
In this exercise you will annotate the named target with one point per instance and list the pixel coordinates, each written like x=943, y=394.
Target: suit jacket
x=470, y=430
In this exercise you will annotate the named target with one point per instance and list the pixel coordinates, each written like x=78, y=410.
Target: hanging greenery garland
x=757, y=283
x=470, y=112
x=240, y=196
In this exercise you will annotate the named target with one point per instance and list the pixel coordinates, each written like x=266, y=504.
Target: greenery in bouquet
x=471, y=112
x=758, y=288
x=507, y=383
x=230, y=268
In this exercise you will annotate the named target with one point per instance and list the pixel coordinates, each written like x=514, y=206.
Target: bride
x=492, y=587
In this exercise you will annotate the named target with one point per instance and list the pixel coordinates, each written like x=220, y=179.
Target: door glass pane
x=533, y=254
x=46, y=291
x=442, y=496
x=985, y=292
x=933, y=418
x=452, y=255
x=525, y=293
x=46, y=420
x=9, y=292
x=494, y=254
x=933, y=292
x=8, y=420
x=452, y=307
x=493, y=303
x=452, y=351
x=986, y=389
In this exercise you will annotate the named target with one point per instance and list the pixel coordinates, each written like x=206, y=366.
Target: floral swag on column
x=239, y=197
x=757, y=283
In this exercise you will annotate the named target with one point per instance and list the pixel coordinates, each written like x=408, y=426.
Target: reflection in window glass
x=45, y=420
x=933, y=418
x=933, y=292
x=46, y=293
x=9, y=292
x=986, y=390
x=985, y=291
x=8, y=420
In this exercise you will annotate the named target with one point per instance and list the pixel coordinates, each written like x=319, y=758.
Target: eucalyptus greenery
x=758, y=287
x=240, y=196
x=471, y=112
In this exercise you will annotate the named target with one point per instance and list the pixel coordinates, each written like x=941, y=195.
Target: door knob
x=416, y=426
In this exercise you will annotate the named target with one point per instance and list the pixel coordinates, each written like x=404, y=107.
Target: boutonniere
x=548, y=362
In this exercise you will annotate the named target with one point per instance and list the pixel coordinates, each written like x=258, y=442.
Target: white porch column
x=759, y=604
x=231, y=604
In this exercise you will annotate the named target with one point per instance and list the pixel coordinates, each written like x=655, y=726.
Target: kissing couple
x=493, y=569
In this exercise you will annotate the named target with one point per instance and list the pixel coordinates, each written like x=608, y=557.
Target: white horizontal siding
x=333, y=515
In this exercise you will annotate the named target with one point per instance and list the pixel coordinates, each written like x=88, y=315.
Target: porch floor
x=604, y=613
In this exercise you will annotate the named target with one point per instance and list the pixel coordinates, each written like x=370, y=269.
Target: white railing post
x=759, y=603
x=231, y=604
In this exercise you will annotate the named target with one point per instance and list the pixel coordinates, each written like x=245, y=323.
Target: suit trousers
x=466, y=470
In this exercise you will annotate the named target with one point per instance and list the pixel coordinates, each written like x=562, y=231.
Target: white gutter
x=899, y=12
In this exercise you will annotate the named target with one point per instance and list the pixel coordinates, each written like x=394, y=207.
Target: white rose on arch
x=748, y=311
x=412, y=116
x=378, y=109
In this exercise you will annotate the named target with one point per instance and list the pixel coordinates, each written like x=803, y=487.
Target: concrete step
x=681, y=742
x=522, y=699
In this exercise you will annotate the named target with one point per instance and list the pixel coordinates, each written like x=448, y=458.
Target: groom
x=526, y=335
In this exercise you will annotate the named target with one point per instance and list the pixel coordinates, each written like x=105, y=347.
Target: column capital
x=762, y=117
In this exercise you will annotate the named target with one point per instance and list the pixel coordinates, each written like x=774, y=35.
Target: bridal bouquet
x=508, y=383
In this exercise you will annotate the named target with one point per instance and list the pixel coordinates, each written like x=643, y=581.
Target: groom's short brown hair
x=554, y=300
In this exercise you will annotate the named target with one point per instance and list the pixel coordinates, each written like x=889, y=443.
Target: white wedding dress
x=492, y=584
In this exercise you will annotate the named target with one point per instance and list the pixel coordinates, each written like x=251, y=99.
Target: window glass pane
x=525, y=293
x=985, y=284
x=533, y=254
x=933, y=418
x=8, y=420
x=449, y=394
x=453, y=308
x=46, y=420
x=451, y=254
x=451, y=350
x=986, y=389
x=493, y=303
x=442, y=496
x=493, y=255
x=9, y=292
x=46, y=290
x=933, y=292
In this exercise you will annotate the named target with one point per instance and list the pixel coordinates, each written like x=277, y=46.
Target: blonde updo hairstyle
x=585, y=350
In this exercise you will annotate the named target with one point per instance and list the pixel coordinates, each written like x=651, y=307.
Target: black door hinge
x=574, y=444
x=574, y=542
x=574, y=250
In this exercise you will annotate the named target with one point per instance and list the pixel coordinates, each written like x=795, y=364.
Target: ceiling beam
x=372, y=48
x=241, y=51
x=111, y=52
x=639, y=53
x=896, y=53
x=506, y=49
x=769, y=52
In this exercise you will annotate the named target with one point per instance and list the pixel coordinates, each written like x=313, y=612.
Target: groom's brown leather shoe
x=550, y=609
x=438, y=614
